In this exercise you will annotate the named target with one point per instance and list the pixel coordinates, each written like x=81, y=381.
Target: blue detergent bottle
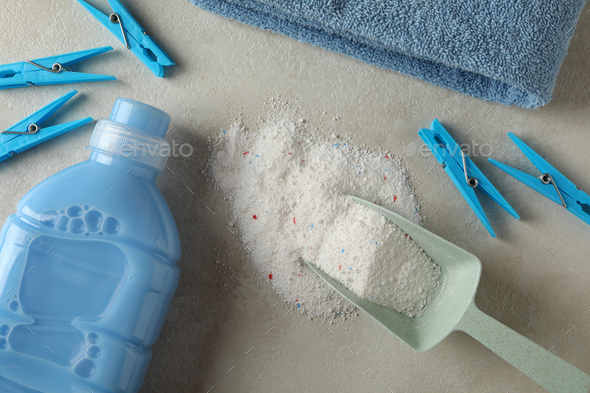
x=88, y=265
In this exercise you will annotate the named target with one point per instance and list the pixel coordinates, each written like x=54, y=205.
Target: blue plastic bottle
x=88, y=265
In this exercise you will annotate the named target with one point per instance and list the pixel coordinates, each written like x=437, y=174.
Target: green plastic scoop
x=453, y=308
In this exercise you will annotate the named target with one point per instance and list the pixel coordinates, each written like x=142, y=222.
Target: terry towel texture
x=506, y=51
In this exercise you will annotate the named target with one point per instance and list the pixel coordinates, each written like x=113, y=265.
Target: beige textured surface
x=217, y=332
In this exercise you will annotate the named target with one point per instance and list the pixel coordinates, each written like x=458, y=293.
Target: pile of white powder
x=287, y=191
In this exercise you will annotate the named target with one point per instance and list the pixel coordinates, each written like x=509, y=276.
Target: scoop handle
x=548, y=370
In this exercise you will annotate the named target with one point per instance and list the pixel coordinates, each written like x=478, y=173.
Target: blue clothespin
x=133, y=35
x=52, y=70
x=27, y=133
x=551, y=183
x=459, y=167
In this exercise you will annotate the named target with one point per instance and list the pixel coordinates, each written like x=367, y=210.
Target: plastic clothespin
x=460, y=168
x=27, y=133
x=551, y=183
x=52, y=70
x=122, y=24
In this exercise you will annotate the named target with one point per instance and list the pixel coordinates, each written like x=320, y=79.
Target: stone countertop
x=226, y=330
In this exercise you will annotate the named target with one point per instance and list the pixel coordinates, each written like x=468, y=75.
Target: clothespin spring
x=115, y=18
x=471, y=181
x=31, y=129
x=546, y=179
x=56, y=68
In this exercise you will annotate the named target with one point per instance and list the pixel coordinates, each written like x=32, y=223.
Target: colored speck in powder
x=387, y=170
x=350, y=268
x=340, y=267
x=342, y=251
x=290, y=154
x=254, y=216
x=298, y=305
x=247, y=152
x=386, y=156
x=270, y=276
x=395, y=198
x=259, y=156
x=294, y=220
x=250, y=162
x=224, y=131
x=312, y=225
x=385, y=177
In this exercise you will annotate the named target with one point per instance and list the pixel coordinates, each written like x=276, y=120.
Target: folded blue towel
x=506, y=51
